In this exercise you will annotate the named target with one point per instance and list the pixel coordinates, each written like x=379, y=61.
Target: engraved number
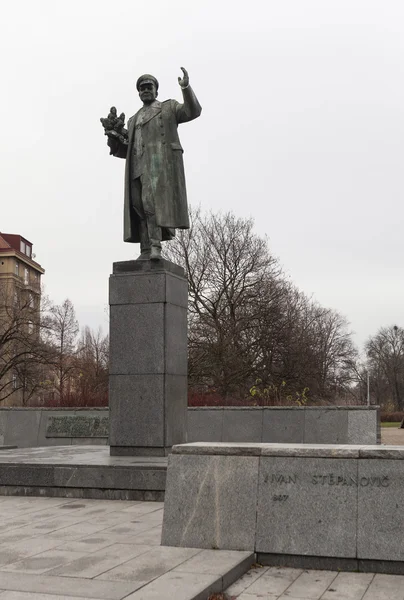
x=281, y=498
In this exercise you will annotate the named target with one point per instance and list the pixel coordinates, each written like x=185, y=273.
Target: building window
x=26, y=276
x=16, y=268
x=30, y=327
x=31, y=301
x=14, y=382
x=22, y=246
x=28, y=250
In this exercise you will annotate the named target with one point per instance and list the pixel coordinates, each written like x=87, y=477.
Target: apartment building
x=20, y=285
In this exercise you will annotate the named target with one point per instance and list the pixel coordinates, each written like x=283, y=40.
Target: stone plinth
x=148, y=358
x=307, y=506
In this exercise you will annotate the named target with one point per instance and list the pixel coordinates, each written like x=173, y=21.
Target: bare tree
x=92, y=360
x=385, y=354
x=250, y=326
x=22, y=349
x=63, y=329
x=228, y=267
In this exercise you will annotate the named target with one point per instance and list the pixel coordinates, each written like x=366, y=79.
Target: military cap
x=147, y=79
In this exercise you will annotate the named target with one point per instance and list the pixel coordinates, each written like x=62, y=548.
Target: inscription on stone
x=277, y=478
x=329, y=479
x=280, y=497
x=332, y=479
x=77, y=427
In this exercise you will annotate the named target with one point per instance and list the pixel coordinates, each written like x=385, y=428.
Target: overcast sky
x=302, y=128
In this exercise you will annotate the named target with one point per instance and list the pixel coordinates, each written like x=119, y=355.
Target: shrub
x=391, y=417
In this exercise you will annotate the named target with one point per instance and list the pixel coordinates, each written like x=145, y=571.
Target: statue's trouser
x=142, y=198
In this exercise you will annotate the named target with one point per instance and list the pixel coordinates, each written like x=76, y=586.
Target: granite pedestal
x=148, y=358
x=298, y=505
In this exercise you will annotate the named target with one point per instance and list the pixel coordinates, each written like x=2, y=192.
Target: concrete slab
x=348, y=586
x=385, y=587
x=43, y=562
x=35, y=596
x=82, y=472
x=181, y=586
x=275, y=581
x=150, y=565
x=100, y=561
x=77, y=588
x=254, y=573
x=202, y=573
x=311, y=585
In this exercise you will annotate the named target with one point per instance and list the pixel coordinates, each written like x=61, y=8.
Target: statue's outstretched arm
x=190, y=109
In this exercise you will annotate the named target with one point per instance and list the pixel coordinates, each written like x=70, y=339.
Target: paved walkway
x=392, y=436
x=274, y=583
x=60, y=549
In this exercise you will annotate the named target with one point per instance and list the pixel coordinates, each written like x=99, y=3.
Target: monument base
x=81, y=472
x=148, y=358
x=298, y=505
x=138, y=451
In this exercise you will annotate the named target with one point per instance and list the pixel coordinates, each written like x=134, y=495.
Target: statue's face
x=147, y=92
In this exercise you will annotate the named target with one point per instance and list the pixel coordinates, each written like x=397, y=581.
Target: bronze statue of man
x=155, y=193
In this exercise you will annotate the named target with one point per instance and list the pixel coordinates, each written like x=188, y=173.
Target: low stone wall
x=295, y=425
x=31, y=427
x=329, y=506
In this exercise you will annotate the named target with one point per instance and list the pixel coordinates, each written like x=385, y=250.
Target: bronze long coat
x=162, y=156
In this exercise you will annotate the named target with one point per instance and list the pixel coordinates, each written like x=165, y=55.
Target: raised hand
x=184, y=82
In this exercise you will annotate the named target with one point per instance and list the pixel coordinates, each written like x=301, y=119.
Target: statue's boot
x=155, y=253
x=144, y=254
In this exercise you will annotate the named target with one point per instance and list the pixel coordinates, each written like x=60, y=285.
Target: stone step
x=208, y=572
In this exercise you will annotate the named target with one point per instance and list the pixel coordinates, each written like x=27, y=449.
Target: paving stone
x=179, y=586
x=77, y=531
x=35, y=596
x=245, y=596
x=45, y=561
x=128, y=528
x=142, y=508
x=385, y=587
x=274, y=581
x=311, y=585
x=149, y=538
x=98, y=562
x=246, y=580
x=150, y=565
x=78, y=588
x=230, y=564
x=87, y=545
x=13, y=552
x=348, y=586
